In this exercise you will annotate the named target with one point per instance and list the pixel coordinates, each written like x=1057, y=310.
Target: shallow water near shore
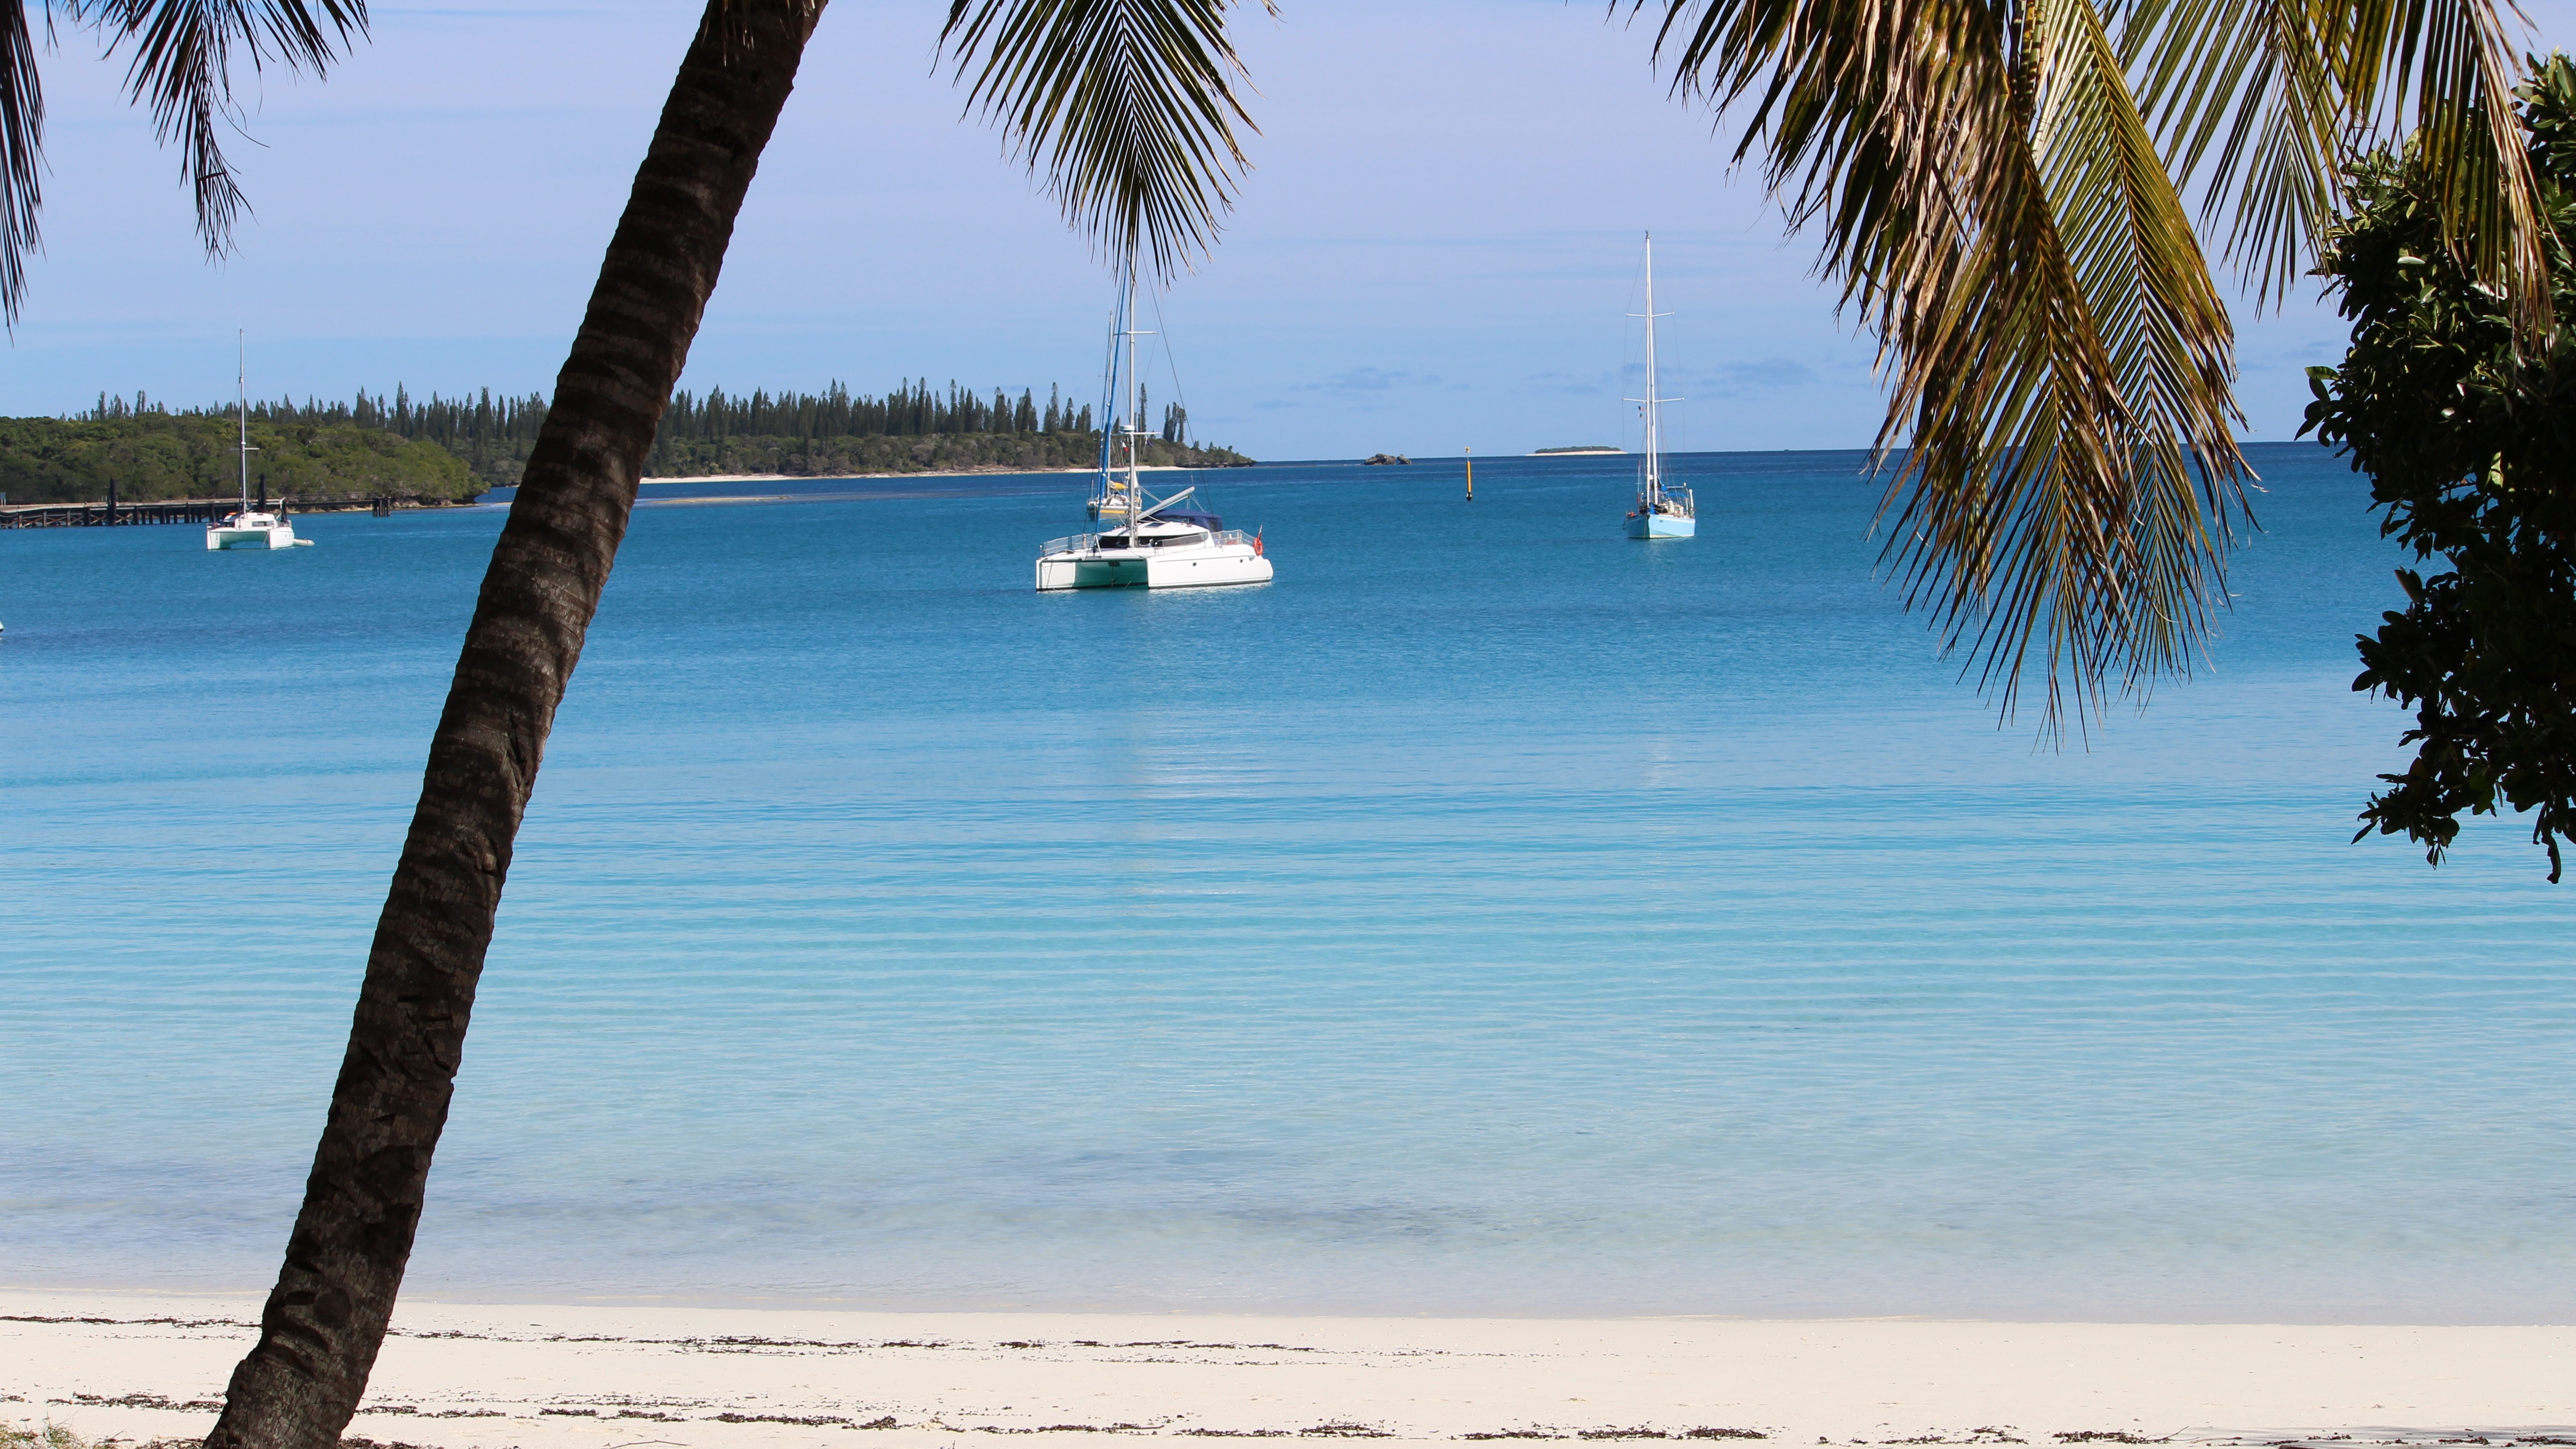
x=1493, y=915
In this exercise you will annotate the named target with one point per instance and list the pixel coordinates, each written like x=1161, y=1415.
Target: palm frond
x=1128, y=106
x=22, y=132
x=182, y=66
x=1858, y=101
x=2253, y=79
x=1993, y=203
x=2288, y=90
x=2073, y=467
x=2448, y=67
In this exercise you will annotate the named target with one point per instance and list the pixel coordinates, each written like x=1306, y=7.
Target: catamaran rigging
x=1146, y=542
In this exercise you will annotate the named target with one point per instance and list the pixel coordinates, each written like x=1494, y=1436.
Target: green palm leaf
x=2080, y=367
x=183, y=57
x=2290, y=90
x=2447, y=66
x=1129, y=106
x=2251, y=78
x=1994, y=205
x=22, y=129
x=1998, y=187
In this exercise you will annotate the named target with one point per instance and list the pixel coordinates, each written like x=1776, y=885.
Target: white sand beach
x=921, y=473
x=151, y=1367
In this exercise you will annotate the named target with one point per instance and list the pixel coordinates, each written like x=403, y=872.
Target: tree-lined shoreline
x=446, y=450
x=153, y=457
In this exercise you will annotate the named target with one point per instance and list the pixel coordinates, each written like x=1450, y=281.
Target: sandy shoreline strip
x=148, y=1367
x=925, y=473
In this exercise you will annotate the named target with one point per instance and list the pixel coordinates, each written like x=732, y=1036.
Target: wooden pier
x=202, y=511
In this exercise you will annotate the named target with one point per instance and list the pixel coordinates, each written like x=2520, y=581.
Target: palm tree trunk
x=344, y=1263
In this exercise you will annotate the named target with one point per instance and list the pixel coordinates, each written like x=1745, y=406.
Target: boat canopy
x=1203, y=519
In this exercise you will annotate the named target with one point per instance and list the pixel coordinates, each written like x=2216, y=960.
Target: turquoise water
x=1492, y=915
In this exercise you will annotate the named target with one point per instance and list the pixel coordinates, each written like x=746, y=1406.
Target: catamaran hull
x=1075, y=571
x=219, y=539
x=1661, y=525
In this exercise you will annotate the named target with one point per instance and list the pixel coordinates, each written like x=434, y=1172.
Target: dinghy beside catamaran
x=1661, y=511
x=248, y=528
x=1146, y=542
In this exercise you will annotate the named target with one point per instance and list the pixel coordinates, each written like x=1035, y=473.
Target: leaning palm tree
x=181, y=69
x=1128, y=107
x=2000, y=186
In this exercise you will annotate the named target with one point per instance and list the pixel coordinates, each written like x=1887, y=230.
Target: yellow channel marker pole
x=1471, y=473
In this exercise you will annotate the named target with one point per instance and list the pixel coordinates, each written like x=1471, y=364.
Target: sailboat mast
x=241, y=384
x=1654, y=418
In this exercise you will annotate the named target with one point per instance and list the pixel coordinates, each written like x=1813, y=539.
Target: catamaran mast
x=1128, y=404
x=1134, y=403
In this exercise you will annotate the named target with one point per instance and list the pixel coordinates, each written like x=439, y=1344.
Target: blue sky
x=1434, y=250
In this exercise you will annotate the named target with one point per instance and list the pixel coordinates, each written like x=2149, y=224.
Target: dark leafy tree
x=1128, y=107
x=2470, y=444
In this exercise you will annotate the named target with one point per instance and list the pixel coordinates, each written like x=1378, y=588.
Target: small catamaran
x=249, y=529
x=1661, y=511
x=1145, y=542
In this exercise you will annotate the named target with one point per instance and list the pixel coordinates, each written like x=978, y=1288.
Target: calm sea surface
x=1492, y=915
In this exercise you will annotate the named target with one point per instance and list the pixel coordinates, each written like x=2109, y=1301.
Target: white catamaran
x=249, y=529
x=1147, y=542
x=1662, y=511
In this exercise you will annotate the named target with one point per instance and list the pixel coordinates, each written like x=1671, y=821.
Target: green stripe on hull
x=1109, y=574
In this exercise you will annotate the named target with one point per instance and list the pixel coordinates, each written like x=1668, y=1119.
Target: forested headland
x=152, y=455
x=447, y=449
x=911, y=429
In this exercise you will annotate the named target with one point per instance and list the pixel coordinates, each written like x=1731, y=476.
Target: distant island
x=1380, y=460
x=1560, y=452
x=452, y=450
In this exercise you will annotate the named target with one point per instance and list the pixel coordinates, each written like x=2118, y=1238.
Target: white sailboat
x=249, y=528
x=1147, y=542
x=1662, y=511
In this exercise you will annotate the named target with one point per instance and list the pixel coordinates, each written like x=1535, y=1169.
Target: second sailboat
x=1662, y=511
